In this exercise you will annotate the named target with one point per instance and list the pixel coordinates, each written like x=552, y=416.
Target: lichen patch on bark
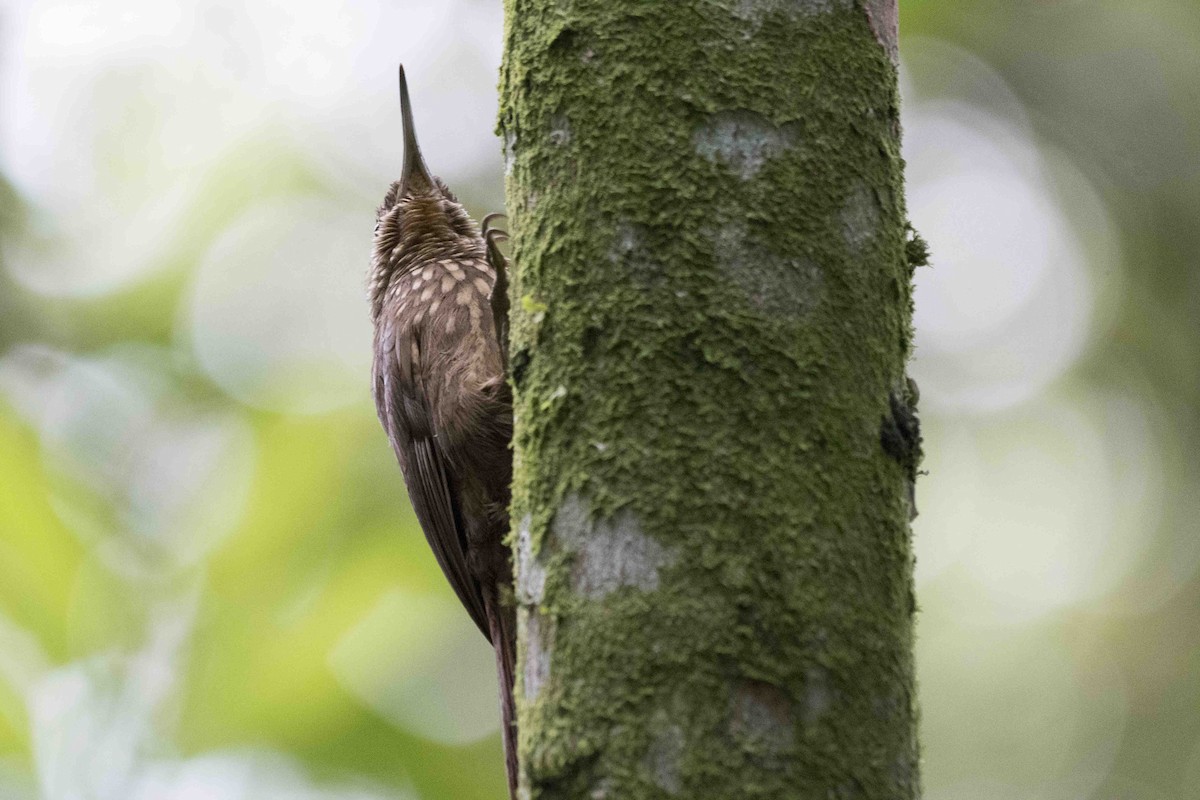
x=860, y=217
x=818, y=698
x=743, y=141
x=788, y=286
x=605, y=789
x=762, y=717
x=530, y=573
x=627, y=250
x=663, y=757
x=535, y=667
x=609, y=554
x=560, y=131
x=510, y=152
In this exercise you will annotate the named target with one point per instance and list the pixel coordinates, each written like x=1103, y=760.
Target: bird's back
x=442, y=398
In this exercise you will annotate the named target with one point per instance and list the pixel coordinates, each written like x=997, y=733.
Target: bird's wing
x=401, y=404
x=429, y=487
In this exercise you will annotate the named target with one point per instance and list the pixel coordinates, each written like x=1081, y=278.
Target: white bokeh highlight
x=1040, y=495
x=1017, y=697
x=151, y=480
x=108, y=123
x=100, y=731
x=1042, y=509
x=278, y=315
x=1008, y=305
x=418, y=661
x=112, y=116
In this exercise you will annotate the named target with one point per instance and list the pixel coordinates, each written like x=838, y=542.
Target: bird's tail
x=503, y=624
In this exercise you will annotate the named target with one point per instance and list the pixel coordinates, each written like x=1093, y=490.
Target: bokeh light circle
x=148, y=478
x=1019, y=696
x=1007, y=306
x=278, y=315
x=418, y=661
x=1039, y=510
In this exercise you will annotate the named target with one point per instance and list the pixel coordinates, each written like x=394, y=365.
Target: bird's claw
x=499, y=298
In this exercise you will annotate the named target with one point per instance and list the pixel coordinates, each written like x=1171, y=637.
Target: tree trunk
x=715, y=439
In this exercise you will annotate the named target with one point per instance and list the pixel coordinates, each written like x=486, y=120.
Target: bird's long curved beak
x=415, y=174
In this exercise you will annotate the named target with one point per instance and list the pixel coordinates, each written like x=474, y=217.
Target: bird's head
x=420, y=218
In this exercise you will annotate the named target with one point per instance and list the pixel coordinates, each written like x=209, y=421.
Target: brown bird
x=439, y=304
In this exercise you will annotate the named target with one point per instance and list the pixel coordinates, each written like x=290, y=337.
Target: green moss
x=709, y=239
x=916, y=249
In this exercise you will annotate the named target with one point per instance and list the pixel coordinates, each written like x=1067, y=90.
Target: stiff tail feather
x=503, y=625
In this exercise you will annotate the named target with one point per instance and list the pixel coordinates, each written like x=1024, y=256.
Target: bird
x=439, y=306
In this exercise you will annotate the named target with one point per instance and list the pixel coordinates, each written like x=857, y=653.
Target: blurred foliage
x=1111, y=87
x=205, y=587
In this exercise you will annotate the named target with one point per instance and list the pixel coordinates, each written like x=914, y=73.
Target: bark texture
x=715, y=440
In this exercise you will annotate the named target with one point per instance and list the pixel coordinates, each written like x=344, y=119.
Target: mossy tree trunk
x=715, y=439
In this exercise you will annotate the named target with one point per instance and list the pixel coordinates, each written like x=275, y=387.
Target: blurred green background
x=211, y=584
